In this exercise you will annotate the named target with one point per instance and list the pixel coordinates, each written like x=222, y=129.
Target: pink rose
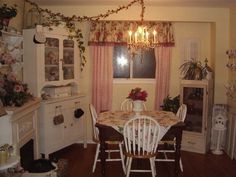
x=18, y=88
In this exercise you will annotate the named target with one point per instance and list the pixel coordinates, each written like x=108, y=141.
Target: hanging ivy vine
x=56, y=19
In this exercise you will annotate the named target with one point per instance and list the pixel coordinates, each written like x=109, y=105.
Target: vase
x=4, y=22
x=137, y=106
x=19, y=102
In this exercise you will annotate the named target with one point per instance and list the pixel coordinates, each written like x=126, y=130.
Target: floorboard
x=80, y=162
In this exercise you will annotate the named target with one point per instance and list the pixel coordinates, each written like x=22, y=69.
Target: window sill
x=134, y=81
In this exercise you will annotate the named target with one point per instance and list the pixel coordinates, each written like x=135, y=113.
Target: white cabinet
x=55, y=136
x=53, y=68
x=54, y=62
x=19, y=126
x=197, y=95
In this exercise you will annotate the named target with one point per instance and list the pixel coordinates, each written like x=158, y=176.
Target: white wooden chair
x=181, y=113
x=141, y=135
x=127, y=105
x=96, y=140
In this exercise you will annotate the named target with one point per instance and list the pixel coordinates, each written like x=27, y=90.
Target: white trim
x=133, y=81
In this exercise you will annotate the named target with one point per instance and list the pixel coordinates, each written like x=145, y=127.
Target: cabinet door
x=51, y=60
x=53, y=133
x=80, y=123
x=73, y=129
x=69, y=126
x=194, y=98
x=68, y=59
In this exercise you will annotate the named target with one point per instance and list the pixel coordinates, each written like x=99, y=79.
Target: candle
x=154, y=36
x=147, y=36
x=130, y=34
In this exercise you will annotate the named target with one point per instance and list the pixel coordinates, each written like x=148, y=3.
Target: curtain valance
x=116, y=32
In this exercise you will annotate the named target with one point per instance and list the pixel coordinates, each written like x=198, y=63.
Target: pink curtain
x=163, y=56
x=102, y=77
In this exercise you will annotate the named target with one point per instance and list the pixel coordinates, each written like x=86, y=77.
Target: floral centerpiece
x=6, y=13
x=138, y=94
x=12, y=91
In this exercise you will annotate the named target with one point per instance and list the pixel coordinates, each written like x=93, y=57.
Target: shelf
x=11, y=162
x=68, y=65
x=51, y=47
x=10, y=34
x=49, y=66
x=68, y=48
x=4, y=66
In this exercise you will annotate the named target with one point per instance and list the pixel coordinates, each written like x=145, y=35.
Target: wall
x=232, y=73
x=184, y=31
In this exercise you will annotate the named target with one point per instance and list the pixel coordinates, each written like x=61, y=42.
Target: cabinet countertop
x=18, y=110
x=54, y=100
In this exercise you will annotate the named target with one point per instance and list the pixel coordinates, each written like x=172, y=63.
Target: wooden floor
x=195, y=165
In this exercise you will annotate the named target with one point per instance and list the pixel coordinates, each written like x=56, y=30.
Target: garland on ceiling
x=55, y=19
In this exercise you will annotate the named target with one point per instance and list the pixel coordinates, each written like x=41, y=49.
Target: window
x=142, y=66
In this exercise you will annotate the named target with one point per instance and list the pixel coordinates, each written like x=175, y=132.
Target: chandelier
x=142, y=39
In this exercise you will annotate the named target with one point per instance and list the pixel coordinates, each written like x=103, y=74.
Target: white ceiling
x=213, y=3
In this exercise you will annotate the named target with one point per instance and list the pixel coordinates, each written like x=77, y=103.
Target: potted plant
x=191, y=70
x=170, y=104
x=7, y=12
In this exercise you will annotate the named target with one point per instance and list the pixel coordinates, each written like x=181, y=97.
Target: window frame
x=131, y=79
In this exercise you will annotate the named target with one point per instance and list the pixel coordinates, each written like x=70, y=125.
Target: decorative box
x=58, y=92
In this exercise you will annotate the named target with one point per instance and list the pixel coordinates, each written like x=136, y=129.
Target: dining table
x=111, y=124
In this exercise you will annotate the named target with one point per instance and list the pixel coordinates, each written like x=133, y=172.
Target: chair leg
x=129, y=162
x=165, y=155
x=153, y=168
x=154, y=164
x=122, y=157
x=181, y=165
x=96, y=157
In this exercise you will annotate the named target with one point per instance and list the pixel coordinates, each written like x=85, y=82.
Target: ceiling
x=209, y=3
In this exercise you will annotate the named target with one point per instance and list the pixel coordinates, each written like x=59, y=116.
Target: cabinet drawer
x=62, y=105
x=193, y=143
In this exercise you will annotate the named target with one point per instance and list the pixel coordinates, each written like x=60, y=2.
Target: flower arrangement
x=8, y=11
x=7, y=59
x=12, y=91
x=231, y=64
x=231, y=53
x=138, y=94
